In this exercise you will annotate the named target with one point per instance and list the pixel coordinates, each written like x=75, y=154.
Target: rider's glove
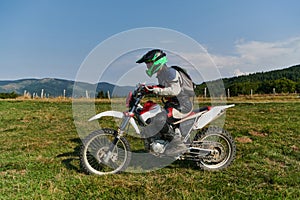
x=146, y=90
x=156, y=90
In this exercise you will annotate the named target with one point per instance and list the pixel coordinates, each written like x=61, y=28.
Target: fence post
x=108, y=95
x=87, y=94
x=42, y=94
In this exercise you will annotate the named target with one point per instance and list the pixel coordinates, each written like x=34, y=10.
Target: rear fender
x=115, y=114
x=211, y=115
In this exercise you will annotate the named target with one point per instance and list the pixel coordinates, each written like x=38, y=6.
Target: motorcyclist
x=177, y=106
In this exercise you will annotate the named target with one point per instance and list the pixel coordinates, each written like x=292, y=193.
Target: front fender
x=115, y=114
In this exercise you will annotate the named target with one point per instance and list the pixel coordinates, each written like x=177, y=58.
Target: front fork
x=121, y=131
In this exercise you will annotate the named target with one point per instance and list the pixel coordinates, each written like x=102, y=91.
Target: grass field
x=39, y=157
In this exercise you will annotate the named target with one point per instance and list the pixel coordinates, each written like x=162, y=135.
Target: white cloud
x=256, y=56
x=249, y=57
x=238, y=72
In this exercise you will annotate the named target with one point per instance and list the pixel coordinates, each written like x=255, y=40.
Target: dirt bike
x=107, y=151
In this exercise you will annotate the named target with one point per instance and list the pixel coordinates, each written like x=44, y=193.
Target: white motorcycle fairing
x=115, y=114
x=209, y=116
x=204, y=117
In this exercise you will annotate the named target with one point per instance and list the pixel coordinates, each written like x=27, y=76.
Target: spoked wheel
x=222, y=145
x=95, y=157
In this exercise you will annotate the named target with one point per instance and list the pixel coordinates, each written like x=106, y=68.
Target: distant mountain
x=280, y=81
x=58, y=87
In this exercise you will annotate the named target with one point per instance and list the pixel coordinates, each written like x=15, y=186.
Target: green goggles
x=157, y=65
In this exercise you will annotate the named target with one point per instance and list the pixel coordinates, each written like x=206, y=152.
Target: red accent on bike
x=192, y=113
x=169, y=110
x=155, y=86
x=128, y=99
x=128, y=114
x=148, y=106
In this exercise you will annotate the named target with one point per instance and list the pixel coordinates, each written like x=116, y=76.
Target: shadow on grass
x=148, y=162
x=71, y=159
x=185, y=164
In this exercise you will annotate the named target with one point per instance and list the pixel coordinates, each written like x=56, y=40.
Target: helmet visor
x=150, y=71
x=157, y=65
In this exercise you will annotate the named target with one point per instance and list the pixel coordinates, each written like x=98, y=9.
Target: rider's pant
x=157, y=125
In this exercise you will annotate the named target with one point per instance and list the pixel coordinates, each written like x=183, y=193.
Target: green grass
x=39, y=158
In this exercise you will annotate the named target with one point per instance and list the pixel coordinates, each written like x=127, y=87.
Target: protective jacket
x=170, y=80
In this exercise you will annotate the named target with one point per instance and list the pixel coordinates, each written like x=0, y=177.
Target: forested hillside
x=279, y=81
x=52, y=87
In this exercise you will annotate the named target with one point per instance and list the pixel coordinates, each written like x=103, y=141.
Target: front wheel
x=222, y=145
x=95, y=157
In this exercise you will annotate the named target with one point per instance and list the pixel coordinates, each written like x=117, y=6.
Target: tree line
x=11, y=95
x=277, y=81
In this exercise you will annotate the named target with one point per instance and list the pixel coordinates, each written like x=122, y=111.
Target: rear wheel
x=95, y=157
x=222, y=144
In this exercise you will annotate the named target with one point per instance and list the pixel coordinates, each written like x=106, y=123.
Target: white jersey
x=169, y=78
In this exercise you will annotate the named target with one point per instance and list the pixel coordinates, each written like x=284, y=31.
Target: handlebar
x=148, y=88
x=144, y=89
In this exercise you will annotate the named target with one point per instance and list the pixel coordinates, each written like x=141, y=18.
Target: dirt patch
x=244, y=139
x=13, y=172
x=258, y=134
x=295, y=148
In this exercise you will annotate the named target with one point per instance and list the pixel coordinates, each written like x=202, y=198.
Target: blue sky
x=40, y=39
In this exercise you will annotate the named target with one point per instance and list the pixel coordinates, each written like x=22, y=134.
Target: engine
x=158, y=146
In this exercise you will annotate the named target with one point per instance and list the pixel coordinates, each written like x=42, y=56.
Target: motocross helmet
x=158, y=57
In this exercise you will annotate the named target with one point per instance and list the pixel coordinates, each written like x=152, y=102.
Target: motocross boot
x=176, y=147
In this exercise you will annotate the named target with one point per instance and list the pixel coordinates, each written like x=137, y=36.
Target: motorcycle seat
x=201, y=109
x=194, y=112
